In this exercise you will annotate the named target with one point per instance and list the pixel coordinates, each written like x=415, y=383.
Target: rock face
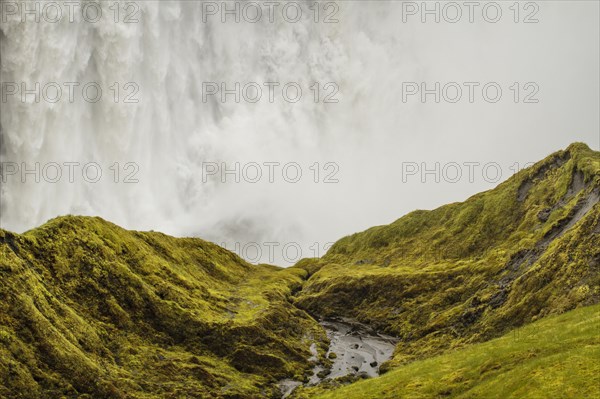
x=544, y=214
x=87, y=308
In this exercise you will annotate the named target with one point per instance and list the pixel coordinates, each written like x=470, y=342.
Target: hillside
x=91, y=310
x=470, y=271
x=557, y=357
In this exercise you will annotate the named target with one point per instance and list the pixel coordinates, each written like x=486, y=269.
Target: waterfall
x=133, y=91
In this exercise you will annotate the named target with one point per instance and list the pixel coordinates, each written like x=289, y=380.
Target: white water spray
x=153, y=153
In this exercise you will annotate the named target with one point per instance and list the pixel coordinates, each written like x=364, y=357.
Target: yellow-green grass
x=89, y=308
x=471, y=271
x=557, y=357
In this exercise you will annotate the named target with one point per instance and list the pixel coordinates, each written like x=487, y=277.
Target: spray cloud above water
x=275, y=128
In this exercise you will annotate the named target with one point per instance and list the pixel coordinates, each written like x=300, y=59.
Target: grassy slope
x=89, y=308
x=470, y=271
x=557, y=357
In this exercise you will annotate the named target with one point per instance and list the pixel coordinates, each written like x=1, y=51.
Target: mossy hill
x=88, y=309
x=471, y=271
x=556, y=357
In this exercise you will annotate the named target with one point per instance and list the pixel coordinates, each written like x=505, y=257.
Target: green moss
x=470, y=271
x=553, y=358
x=88, y=309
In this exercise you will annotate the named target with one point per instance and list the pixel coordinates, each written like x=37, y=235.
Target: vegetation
x=557, y=357
x=88, y=309
x=471, y=271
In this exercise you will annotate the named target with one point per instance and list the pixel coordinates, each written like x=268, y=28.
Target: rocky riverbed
x=354, y=349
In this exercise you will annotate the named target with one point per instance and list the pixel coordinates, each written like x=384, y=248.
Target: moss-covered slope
x=470, y=271
x=557, y=357
x=89, y=308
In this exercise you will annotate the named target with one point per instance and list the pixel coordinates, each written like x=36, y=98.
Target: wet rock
x=322, y=374
x=355, y=352
x=577, y=183
x=498, y=299
x=543, y=215
x=287, y=387
x=357, y=346
x=540, y=173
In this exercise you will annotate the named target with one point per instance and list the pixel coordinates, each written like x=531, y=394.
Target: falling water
x=155, y=129
x=152, y=133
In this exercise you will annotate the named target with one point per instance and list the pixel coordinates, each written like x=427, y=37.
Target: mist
x=282, y=176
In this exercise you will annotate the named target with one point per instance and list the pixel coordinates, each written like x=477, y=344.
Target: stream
x=354, y=349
